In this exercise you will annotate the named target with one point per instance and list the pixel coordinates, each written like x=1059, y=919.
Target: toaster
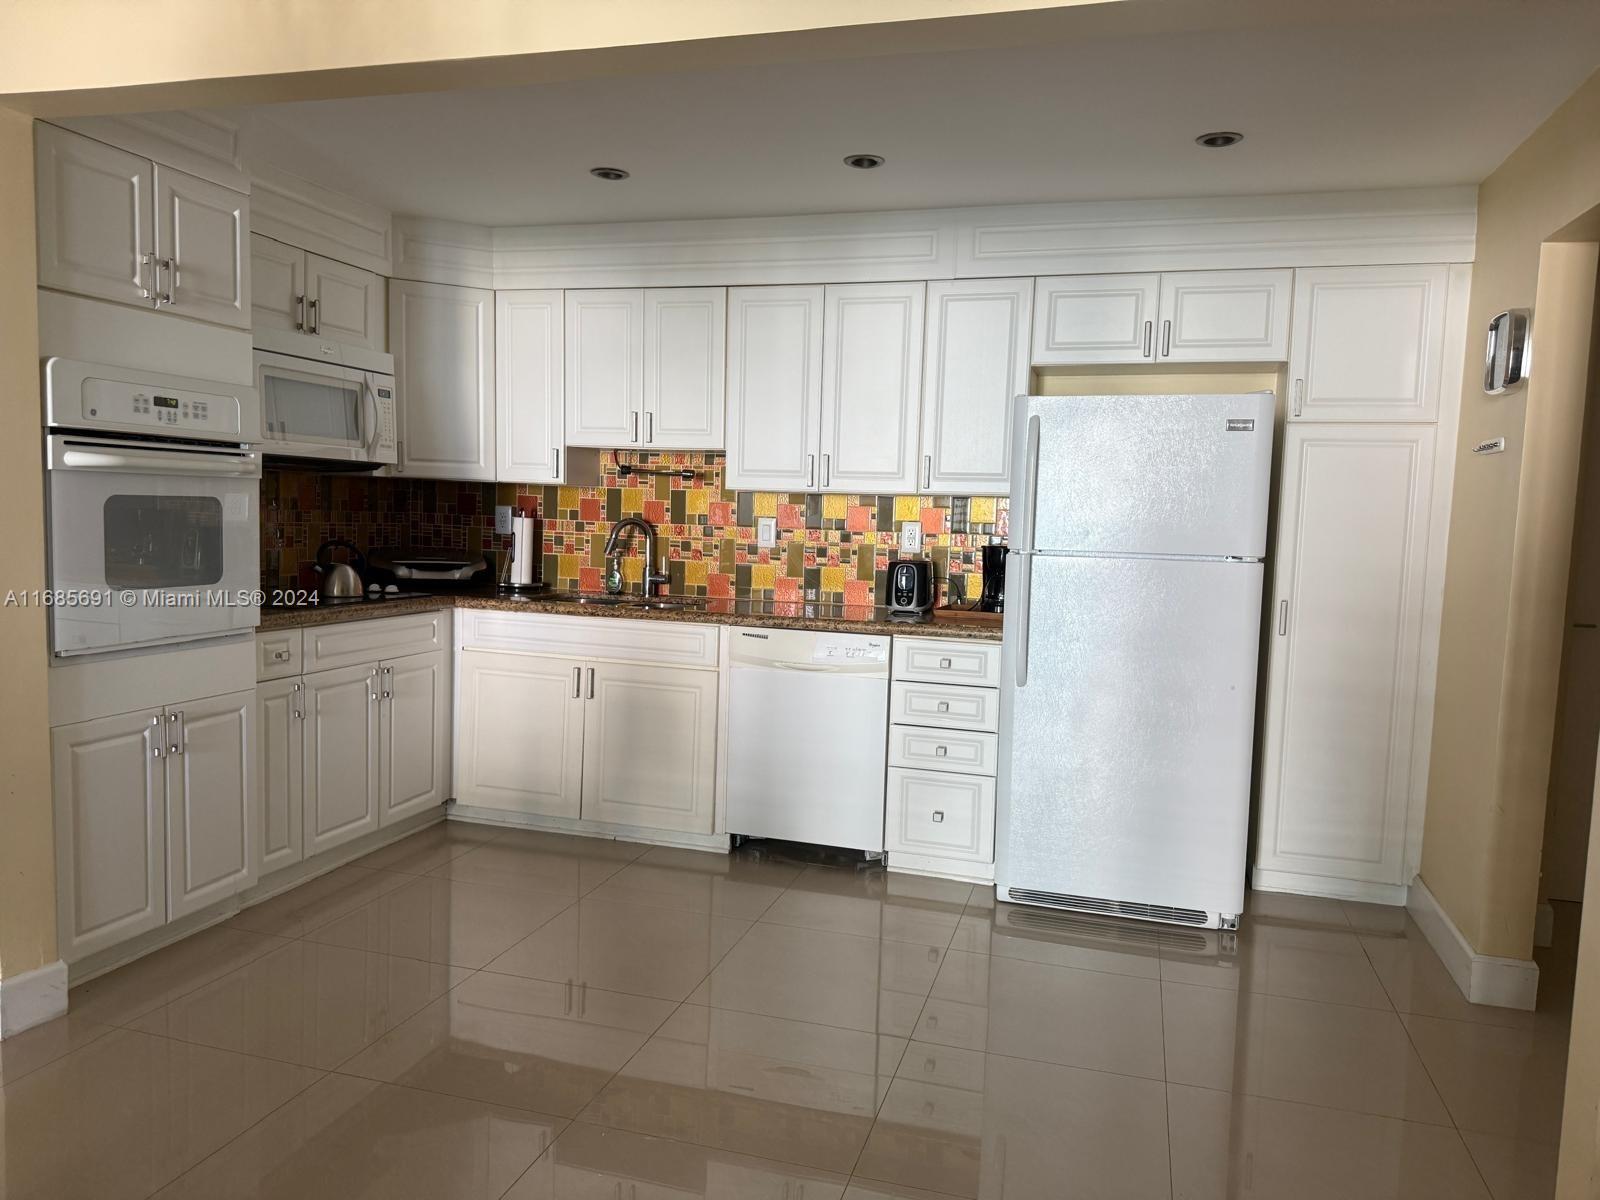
x=910, y=586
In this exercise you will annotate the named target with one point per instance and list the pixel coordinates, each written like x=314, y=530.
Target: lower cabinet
x=413, y=736
x=280, y=776
x=521, y=742
x=945, y=815
x=155, y=817
x=341, y=757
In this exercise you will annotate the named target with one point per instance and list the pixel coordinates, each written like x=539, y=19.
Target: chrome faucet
x=651, y=575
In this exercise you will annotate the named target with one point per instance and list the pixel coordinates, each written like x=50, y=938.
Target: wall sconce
x=1509, y=353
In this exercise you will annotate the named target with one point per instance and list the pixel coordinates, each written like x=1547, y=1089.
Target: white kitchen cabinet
x=413, y=735
x=280, y=779
x=341, y=757
x=211, y=758
x=109, y=783
x=530, y=413
x=277, y=286
x=685, y=365
x=1346, y=655
x=442, y=339
x=940, y=814
x=520, y=740
x=976, y=362
x=649, y=746
x=871, y=387
x=1224, y=316
x=295, y=292
x=115, y=226
x=774, y=387
x=1095, y=319
x=1368, y=343
x=605, y=367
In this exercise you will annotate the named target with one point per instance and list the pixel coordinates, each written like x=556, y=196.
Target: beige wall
x=27, y=855
x=1510, y=537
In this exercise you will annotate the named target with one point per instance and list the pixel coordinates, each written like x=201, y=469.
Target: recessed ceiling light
x=1220, y=140
x=611, y=173
x=863, y=162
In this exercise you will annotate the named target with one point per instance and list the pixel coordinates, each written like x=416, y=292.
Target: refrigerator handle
x=1020, y=601
x=1030, y=486
x=1283, y=618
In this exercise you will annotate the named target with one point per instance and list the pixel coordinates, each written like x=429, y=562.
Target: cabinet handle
x=146, y=283
x=1166, y=339
x=568, y=1008
x=827, y=469
x=179, y=732
x=1299, y=395
x=155, y=741
x=938, y=816
x=944, y=664
x=927, y=470
x=634, y=436
x=811, y=470
x=313, y=311
x=944, y=706
x=577, y=682
x=165, y=264
x=300, y=313
x=555, y=452
x=388, y=683
x=940, y=751
x=1283, y=618
x=650, y=428
x=591, y=683
x=1149, y=331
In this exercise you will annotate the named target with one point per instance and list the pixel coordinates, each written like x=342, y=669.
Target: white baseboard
x=941, y=868
x=33, y=998
x=1482, y=978
x=1263, y=879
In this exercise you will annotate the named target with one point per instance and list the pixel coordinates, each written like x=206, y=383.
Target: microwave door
x=315, y=414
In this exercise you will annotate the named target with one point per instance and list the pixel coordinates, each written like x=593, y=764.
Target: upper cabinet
x=644, y=367
x=528, y=393
x=297, y=296
x=115, y=226
x=444, y=362
x=1186, y=316
x=975, y=364
x=824, y=387
x=1368, y=343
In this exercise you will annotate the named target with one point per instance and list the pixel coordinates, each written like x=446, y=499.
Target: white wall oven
x=328, y=411
x=153, y=509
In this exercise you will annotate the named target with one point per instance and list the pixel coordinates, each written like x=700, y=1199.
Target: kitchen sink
x=606, y=600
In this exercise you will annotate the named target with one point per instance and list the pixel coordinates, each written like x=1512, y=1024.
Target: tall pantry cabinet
x=1372, y=389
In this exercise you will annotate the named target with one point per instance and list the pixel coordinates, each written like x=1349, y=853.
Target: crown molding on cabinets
x=312, y=217
x=197, y=143
x=1101, y=237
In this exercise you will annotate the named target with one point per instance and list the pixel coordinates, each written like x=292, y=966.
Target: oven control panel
x=168, y=410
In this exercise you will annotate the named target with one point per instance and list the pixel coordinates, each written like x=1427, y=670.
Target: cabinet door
x=1095, y=319
x=774, y=387
x=110, y=816
x=280, y=777
x=976, y=363
x=649, y=747
x=341, y=777
x=96, y=217
x=1346, y=650
x=932, y=812
x=344, y=303
x=1224, y=316
x=520, y=745
x=200, y=239
x=1368, y=343
x=871, y=387
x=605, y=367
x=685, y=364
x=277, y=285
x=414, y=737
x=529, y=403
x=211, y=817
x=442, y=339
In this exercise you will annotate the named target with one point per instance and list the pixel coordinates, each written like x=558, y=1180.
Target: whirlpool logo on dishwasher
x=1241, y=424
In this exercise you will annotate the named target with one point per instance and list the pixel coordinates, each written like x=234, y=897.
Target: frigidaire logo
x=1240, y=424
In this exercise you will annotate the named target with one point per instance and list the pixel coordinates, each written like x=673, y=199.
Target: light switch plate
x=911, y=538
x=504, y=514
x=766, y=531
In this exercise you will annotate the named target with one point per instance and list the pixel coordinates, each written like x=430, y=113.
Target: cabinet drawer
x=944, y=707
x=278, y=654
x=963, y=751
x=351, y=642
x=929, y=660
x=950, y=816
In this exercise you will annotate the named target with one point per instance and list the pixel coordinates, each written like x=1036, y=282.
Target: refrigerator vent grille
x=1112, y=908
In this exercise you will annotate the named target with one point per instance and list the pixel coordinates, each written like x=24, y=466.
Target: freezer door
x=1178, y=475
x=1126, y=727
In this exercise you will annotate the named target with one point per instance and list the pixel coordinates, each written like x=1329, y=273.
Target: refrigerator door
x=1170, y=475
x=1126, y=731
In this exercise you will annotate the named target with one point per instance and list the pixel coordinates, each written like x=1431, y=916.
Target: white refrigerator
x=1133, y=625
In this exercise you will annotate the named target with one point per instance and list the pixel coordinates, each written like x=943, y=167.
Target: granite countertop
x=781, y=614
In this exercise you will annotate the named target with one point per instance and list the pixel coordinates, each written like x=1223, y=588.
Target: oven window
x=162, y=541
x=300, y=410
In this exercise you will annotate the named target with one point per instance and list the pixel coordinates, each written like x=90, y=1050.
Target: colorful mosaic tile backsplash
x=833, y=548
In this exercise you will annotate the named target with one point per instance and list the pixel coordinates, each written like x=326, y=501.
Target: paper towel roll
x=522, y=551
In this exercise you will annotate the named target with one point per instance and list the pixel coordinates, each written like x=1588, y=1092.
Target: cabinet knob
x=944, y=706
x=280, y=656
x=938, y=816
x=940, y=751
x=944, y=664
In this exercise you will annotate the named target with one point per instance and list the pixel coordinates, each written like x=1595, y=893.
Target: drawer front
x=278, y=654
x=945, y=660
x=351, y=643
x=662, y=643
x=944, y=707
x=963, y=751
x=950, y=816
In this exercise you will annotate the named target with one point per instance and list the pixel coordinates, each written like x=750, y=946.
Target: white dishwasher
x=808, y=734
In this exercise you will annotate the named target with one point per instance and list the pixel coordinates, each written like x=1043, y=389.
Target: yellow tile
x=833, y=579
x=980, y=510
x=632, y=500
x=766, y=505
x=696, y=500
x=567, y=566
x=633, y=569
x=908, y=508
x=567, y=497
x=762, y=574
x=833, y=508
x=694, y=572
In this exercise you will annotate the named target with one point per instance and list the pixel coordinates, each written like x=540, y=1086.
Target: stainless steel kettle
x=339, y=580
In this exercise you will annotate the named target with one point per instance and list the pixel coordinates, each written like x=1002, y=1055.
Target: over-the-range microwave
x=324, y=410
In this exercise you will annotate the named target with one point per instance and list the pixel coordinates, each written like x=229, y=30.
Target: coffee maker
x=993, y=560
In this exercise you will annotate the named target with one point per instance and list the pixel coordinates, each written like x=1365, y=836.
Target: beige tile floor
x=477, y=1014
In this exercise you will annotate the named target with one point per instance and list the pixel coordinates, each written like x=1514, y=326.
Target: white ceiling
x=1365, y=103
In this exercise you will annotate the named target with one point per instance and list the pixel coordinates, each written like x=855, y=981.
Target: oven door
x=150, y=542
x=318, y=410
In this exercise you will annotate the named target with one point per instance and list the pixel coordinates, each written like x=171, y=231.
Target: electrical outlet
x=503, y=517
x=911, y=538
x=766, y=531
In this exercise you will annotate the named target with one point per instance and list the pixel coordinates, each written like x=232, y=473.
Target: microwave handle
x=155, y=462
x=369, y=394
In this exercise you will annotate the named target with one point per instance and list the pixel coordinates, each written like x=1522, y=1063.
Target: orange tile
x=786, y=587
x=858, y=518
x=857, y=591
x=791, y=516
x=933, y=520
x=655, y=511
x=718, y=584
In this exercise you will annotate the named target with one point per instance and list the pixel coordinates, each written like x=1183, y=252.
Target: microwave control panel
x=113, y=402
x=386, y=438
